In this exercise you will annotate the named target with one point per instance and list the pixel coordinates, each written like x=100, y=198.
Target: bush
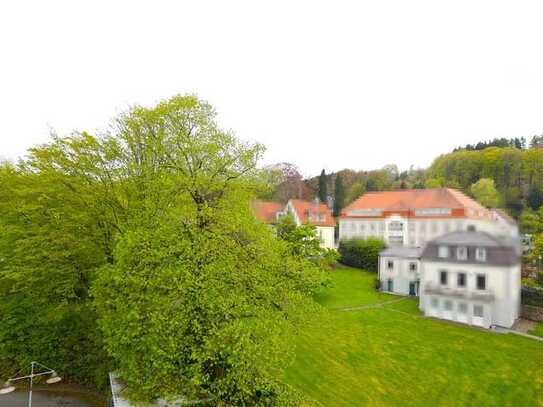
x=532, y=296
x=361, y=253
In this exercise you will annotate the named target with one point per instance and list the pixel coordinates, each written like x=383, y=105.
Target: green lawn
x=390, y=355
x=538, y=330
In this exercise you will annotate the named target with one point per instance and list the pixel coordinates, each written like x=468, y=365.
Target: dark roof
x=501, y=251
x=400, y=251
x=474, y=238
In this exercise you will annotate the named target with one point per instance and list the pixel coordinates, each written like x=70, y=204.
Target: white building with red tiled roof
x=315, y=213
x=312, y=212
x=413, y=217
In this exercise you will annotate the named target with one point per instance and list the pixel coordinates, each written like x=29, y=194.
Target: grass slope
x=390, y=355
x=538, y=330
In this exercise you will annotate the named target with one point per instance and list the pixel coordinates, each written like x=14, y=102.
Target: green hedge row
x=361, y=253
x=532, y=296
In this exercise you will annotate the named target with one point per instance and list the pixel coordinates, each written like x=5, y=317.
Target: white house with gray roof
x=473, y=278
x=399, y=270
x=470, y=277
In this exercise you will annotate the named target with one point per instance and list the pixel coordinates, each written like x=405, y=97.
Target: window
x=478, y=311
x=390, y=264
x=422, y=228
x=471, y=228
x=462, y=308
x=353, y=226
x=434, y=302
x=412, y=266
x=448, y=305
x=362, y=227
x=395, y=240
x=390, y=285
x=443, y=252
x=461, y=253
x=480, y=254
x=443, y=277
x=481, y=282
x=461, y=280
x=395, y=226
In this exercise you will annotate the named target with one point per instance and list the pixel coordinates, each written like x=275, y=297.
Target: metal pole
x=31, y=379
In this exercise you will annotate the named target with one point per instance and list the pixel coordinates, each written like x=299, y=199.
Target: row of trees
x=507, y=177
x=137, y=251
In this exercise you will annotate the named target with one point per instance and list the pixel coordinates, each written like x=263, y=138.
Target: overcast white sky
x=334, y=84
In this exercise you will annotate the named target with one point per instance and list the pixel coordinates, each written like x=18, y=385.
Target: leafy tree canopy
x=485, y=192
x=137, y=251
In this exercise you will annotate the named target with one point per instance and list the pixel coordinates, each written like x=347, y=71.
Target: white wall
x=326, y=234
x=417, y=232
x=400, y=273
x=502, y=282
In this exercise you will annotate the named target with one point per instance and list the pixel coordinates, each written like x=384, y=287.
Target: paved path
x=501, y=330
x=363, y=307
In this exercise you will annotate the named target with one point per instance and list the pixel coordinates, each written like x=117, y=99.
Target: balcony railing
x=478, y=295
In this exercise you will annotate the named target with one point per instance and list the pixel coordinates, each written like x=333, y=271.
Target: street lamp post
x=34, y=366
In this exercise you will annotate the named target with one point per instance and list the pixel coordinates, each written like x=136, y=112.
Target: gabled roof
x=475, y=238
x=266, y=211
x=415, y=199
x=317, y=214
x=402, y=251
x=505, y=216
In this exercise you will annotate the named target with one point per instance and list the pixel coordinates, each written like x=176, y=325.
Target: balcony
x=475, y=295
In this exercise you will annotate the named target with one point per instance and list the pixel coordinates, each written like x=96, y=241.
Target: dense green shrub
x=532, y=296
x=361, y=253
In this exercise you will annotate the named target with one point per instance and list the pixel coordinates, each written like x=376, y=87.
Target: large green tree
x=137, y=251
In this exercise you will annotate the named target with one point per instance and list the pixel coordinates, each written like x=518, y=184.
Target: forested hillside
x=517, y=174
x=510, y=177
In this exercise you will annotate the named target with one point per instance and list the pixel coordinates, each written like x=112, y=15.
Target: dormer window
x=462, y=253
x=480, y=254
x=443, y=252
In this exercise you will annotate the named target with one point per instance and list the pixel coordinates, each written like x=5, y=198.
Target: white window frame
x=465, y=279
x=477, y=282
x=462, y=308
x=434, y=302
x=476, y=307
x=462, y=250
x=390, y=264
x=443, y=252
x=480, y=254
x=446, y=278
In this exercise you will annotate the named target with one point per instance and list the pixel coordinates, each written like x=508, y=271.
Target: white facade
x=399, y=275
x=460, y=299
x=327, y=236
x=415, y=232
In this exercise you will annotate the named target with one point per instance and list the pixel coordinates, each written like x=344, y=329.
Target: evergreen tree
x=339, y=195
x=323, y=190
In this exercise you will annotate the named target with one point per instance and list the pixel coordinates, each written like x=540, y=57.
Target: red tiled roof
x=311, y=212
x=407, y=200
x=266, y=211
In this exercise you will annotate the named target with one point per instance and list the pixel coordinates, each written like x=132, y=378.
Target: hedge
x=361, y=253
x=532, y=296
